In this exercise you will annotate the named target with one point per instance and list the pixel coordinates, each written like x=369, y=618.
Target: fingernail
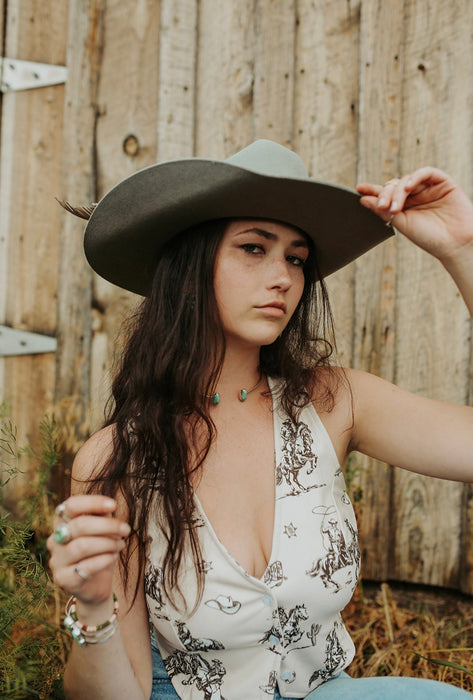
x=109, y=503
x=394, y=206
x=124, y=529
x=381, y=202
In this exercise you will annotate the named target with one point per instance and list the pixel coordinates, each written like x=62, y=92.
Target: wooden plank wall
x=362, y=89
x=30, y=223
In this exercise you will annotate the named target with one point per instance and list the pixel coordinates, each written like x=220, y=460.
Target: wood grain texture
x=224, y=100
x=326, y=120
x=31, y=143
x=274, y=70
x=428, y=308
x=85, y=47
x=177, y=78
x=375, y=277
x=126, y=141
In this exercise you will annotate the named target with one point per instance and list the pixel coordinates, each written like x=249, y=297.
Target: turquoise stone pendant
x=216, y=399
x=243, y=394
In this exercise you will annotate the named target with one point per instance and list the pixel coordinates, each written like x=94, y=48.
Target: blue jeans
x=342, y=686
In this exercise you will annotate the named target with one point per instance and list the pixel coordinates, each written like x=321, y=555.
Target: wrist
x=460, y=267
x=85, y=633
x=459, y=261
x=94, y=613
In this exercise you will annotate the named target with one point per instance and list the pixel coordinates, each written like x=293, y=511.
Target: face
x=259, y=279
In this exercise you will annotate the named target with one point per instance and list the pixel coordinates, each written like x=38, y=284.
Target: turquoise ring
x=62, y=534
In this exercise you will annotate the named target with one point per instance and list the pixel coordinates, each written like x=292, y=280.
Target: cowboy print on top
x=249, y=634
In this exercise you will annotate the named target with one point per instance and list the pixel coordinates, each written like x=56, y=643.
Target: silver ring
x=61, y=512
x=392, y=183
x=63, y=534
x=389, y=223
x=81, y=573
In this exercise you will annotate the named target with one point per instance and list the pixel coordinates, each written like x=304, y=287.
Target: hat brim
x=140, y=214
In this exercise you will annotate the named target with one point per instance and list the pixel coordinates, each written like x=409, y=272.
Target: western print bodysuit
x=249, y=634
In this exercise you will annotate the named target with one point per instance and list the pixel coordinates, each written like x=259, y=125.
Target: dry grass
x=412, y=631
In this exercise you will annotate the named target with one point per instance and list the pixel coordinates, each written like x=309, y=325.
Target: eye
x=296, y=260
x=252, y=248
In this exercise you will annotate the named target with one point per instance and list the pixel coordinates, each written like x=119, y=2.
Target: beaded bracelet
x=90, y=634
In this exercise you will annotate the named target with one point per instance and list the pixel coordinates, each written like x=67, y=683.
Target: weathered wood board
x=30, y=168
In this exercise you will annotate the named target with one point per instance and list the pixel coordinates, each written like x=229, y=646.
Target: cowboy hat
x=133, y=221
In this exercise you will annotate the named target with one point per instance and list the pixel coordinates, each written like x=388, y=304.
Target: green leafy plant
x=353, y=469
x=32, y=644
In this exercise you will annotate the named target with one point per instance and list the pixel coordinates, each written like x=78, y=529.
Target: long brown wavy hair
x=171, y=362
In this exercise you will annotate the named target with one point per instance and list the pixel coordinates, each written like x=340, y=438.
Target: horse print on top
x=297, y=458
x=340, y=553
x=335, y=657
x=270, y=686
x=153, y=582
x=193, y=644
x=207, y=676
x=286, y=628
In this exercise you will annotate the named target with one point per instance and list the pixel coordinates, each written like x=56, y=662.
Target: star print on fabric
x=290, y=530
x=206, y=566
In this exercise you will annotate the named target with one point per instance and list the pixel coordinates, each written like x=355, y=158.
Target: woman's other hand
x=429, y=208
x=83, y=563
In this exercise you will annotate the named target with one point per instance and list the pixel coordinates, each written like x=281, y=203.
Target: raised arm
x=87, y=567
x=417, y=433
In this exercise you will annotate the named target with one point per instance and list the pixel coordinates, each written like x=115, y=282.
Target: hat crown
x=269, y=158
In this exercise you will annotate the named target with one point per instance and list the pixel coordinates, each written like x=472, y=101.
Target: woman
x=220, y=462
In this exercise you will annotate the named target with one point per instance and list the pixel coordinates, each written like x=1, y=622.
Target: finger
x=93, y=525
x=380, y=198
x=417, y=182
x=85, y=547
x=88, y=503
x=388, y=199
x=391, y=193
x=72, y=578
x=368, y=189
x=428, y=175
x=80, y=549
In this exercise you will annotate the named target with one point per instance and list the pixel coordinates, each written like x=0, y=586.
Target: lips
x=274, y=309
x=275, y=305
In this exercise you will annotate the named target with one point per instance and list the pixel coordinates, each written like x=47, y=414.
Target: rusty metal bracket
x=23, y=75
x=16, y=342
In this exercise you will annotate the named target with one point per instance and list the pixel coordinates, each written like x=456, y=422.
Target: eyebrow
x=297, y=242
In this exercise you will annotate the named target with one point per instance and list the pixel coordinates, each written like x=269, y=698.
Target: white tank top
x=249, y=634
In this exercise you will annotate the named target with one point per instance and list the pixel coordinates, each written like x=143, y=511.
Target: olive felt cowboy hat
x=133, y=221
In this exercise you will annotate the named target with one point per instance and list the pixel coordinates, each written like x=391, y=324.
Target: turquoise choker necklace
x=242, y=394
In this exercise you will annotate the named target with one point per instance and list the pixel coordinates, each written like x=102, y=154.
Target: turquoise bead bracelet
x=90, y=634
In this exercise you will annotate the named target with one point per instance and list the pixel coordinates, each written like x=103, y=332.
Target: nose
x=279, y=276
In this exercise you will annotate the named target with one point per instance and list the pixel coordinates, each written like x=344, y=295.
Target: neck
x=240, y=370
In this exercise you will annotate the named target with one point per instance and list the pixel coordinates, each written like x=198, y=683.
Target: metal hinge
x=24, y=75
x=16, y=342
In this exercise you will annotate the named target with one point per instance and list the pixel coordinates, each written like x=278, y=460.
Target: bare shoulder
x=93, y=454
